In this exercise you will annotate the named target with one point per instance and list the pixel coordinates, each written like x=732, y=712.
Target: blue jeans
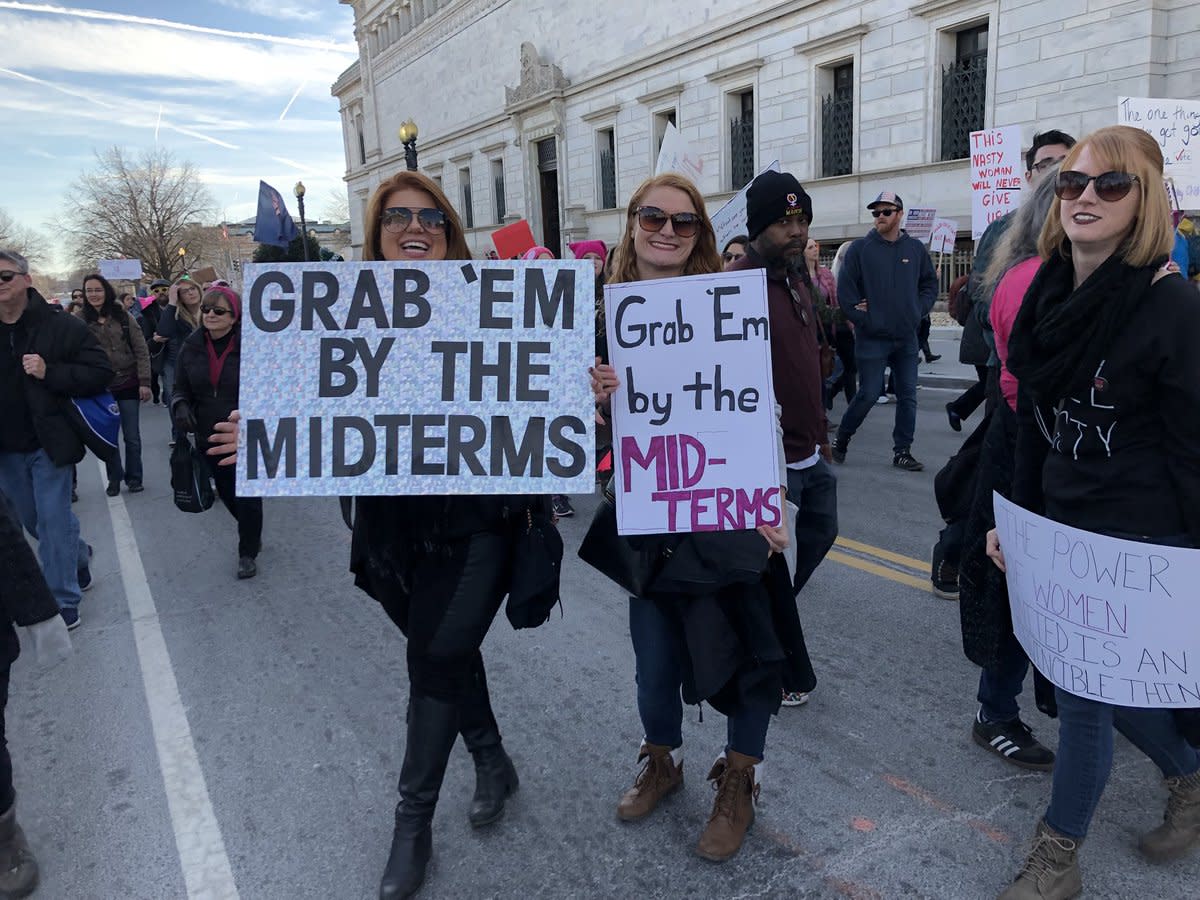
x=40, y=493
x=1085, y=751
x=130, y=429
x=814, y=491
x=659, y=650
x=873, y=355
x=1000, y=685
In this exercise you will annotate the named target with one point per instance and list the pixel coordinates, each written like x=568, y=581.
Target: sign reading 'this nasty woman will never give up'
x=1101, y=617
x=694, y=418
x=417, y=378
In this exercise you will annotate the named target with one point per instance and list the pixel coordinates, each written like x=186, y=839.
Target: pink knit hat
x=535, y=252
x=582, y=248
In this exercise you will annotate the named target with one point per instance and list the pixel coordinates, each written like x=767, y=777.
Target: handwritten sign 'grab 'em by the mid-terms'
x=1102, y=617
x=417, y=378
x=694, y=418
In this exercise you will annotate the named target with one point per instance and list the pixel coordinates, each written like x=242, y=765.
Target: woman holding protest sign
x=1108, y=440
x=739, y=665
x=440, y=566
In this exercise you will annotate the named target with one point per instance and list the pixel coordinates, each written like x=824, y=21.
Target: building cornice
x=938, y=7
x=741, y=70
x=432, y=33
x=653, y=98
x=493, y=148
x=842, y=36
x=605, y=112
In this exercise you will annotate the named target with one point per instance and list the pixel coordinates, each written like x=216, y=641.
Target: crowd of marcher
x=1071, y=298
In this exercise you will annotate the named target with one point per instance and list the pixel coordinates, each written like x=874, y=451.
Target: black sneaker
x=70, y=615
x=904, y=460
x=247, y=567
x=954, y=417
x=943, y=575
x=83, y=574
x=561, y=506
x=114, y=488
x=838, y=449
x=1013, y=742
x=136, y=487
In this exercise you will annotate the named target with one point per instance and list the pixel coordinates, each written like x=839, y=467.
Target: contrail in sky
x=104, y=16
x=158, y=124
x=293, y=100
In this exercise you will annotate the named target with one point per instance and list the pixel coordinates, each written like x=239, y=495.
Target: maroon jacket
x=795, y=359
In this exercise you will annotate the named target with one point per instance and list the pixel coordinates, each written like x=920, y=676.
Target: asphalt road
x=217, y=738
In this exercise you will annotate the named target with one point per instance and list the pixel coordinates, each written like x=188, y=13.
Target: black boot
x=495, y=777
x=432, y=728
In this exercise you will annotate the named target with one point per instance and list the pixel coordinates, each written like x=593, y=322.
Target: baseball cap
x=889, y=197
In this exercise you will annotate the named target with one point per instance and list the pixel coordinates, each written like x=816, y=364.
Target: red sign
x=513, y=240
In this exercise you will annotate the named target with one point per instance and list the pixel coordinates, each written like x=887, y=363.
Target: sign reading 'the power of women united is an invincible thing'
x=694, y=436
x=417, y=378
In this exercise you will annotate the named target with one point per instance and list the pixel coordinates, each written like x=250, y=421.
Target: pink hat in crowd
x=582, y=248
x=535, y=252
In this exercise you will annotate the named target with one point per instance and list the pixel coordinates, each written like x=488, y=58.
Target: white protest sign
x=943, y=236
x=918, y=222
x=695, y=447
x=996, y=175
x=1175, y=124
x=676, y=155
x=121, y=269
x=417, y=378
x=730, y=220
x=1101, y=617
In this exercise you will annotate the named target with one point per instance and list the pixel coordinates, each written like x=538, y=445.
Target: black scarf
x=1062, y=334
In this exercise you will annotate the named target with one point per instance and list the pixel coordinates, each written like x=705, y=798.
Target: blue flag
x=274, y=224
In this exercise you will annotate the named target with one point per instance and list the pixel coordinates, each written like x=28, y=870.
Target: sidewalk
x=946, y=372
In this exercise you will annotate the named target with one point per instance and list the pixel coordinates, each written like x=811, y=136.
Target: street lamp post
x=299, y=191
x=183, y=260
x=408, y=138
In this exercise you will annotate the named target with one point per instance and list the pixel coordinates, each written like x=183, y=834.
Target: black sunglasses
x=1110, y=186
x=215, y=310
x=653, y=219
x=876, y=213
x=8, y=275
x=396, y=219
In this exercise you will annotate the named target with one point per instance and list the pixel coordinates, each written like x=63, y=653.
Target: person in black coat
x=205, y=392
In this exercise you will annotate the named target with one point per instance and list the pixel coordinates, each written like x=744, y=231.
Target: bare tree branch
x=26, y=241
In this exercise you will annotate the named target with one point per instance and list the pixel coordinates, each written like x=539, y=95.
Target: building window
x=964, y=91
x=468, y=210
x=837, y=123
x=661, y=121
x=741, y=139
x=498, y=189
x=606, y=168
x=362, y=141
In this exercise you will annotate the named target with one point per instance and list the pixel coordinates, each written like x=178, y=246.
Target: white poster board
x=918, y=222
x=677, y=155
x=417, y=378
x=1175, y=124
x=1104, y=618
x=730, y=220
x=943, y=236
x=695, y=446
x=121, y=269
x=997, y=173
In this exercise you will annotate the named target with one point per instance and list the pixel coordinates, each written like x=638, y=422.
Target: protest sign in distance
x=730, y=220
x=1101, y=617
x=695, y=445
x=1175, y=124
x=417, y=378
x=121, y=269
x=996, y=175
x=943, y=236
x=513, y=240
x=918, y=222
x=677, y=155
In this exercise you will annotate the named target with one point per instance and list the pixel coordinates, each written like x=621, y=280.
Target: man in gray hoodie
x=887, y=284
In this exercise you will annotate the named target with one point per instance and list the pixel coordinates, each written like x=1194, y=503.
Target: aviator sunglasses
x=396, y=219
x=1110, y=186
x=653, y=219
x=8, y=275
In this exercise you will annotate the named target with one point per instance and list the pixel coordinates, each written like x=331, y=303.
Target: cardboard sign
x=513, y=240
x=918, y=222
x=204, y=275
x=1175, y=124
x=676, y=155
x=121, y=269
x=695, y=446
x=1104, y=618
x=943, y=236
x=417, y=378
x=730, y=220
x=997, y=174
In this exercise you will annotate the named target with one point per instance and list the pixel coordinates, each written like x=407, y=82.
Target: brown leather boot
x=1052, y=870
x=1180, y=831
x=660, y=777
x=733, y=779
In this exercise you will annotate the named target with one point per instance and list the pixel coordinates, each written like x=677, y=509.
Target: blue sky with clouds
x=238, y=87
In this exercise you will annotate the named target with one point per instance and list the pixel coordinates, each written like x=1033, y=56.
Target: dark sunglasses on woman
x=215, y=310
x=1110, y=186
x=8, y=275
x=653, y=219
x=396, y=219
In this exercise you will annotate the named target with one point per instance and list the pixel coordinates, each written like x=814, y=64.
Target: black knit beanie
x=774, y=196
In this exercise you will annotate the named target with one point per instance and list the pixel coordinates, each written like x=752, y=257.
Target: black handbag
x=537, y=554
x=633, y=563
x=190, y=478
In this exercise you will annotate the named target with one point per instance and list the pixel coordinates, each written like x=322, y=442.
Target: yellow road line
x=876, y=569
x=920, y=565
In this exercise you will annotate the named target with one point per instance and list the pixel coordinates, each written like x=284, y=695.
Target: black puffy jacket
x=193, y=386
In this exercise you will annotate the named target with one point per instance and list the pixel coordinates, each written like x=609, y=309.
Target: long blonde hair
x=181, y=310
x=456, y=242
x=704, y=258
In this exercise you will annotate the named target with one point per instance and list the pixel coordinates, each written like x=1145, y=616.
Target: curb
x=947, y=382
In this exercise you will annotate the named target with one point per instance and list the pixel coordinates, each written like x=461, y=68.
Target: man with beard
x=159, y=290
x=778, y=215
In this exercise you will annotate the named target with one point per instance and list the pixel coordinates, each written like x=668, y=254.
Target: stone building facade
x=555, y=112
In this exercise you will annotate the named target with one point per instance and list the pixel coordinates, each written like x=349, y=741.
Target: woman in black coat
x=205, y=392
